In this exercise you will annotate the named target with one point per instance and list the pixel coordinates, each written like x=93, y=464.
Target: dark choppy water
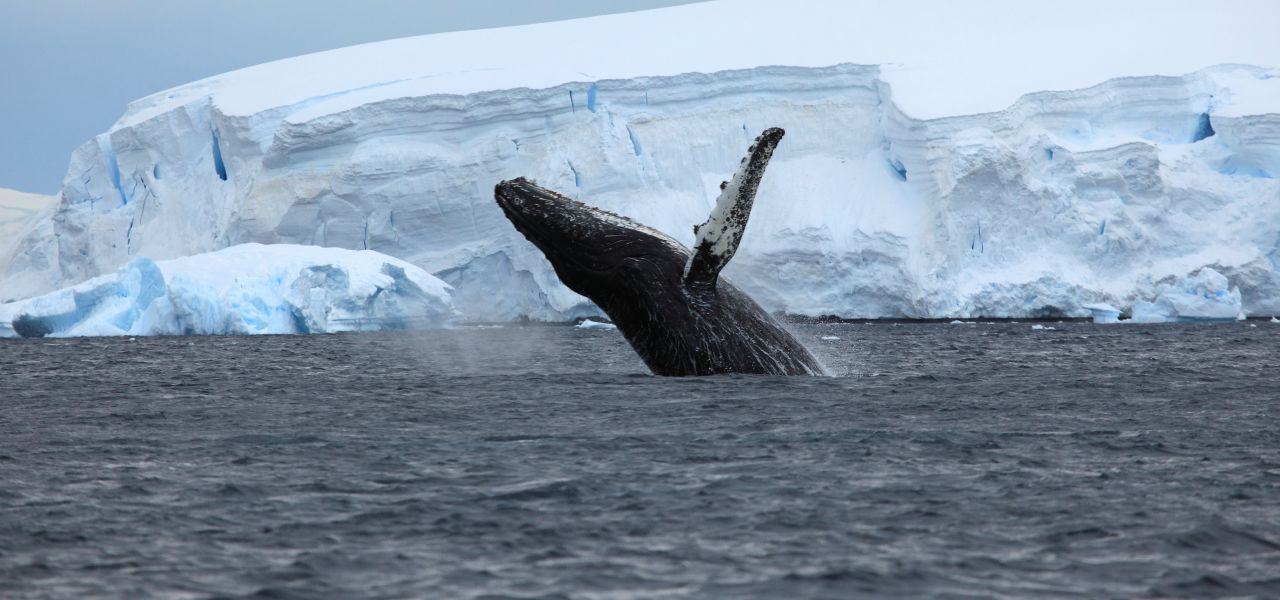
x=955, y=461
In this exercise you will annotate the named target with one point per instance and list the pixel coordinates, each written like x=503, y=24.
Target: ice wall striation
x=1064, y=199
x=244, y=289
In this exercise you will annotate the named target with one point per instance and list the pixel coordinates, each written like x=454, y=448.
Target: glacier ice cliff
x=244, y=289
x=1061, y=200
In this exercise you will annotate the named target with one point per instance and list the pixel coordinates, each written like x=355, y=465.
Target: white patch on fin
x=718, y=238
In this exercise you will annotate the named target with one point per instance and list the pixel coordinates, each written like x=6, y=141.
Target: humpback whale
x=670, y=302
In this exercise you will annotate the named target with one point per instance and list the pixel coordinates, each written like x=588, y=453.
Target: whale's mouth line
x=517, y=217
x=539, y=234
x=510, y=202
x=511, y=195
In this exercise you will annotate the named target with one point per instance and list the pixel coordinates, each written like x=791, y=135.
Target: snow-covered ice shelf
x=931, y=185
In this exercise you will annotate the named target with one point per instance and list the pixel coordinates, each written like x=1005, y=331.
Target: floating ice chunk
x=1275, y=320
x=1038, y=327
x=830, y=338
x=1205, y=296
x=245, y=289
x=1150, y=312
x=6, y=319
x=1103, y=312
x=106, y=305
x=590, y=324
x=959, y=322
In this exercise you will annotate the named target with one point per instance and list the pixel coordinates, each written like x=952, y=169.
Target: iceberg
x=1103, y=312
x=1205, y=296
x=902, y=189
x=244, y=289
x=593, y=324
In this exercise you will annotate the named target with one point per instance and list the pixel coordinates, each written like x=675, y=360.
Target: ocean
x=942, y=461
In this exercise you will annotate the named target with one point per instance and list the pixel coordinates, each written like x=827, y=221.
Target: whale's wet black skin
x=681, y=317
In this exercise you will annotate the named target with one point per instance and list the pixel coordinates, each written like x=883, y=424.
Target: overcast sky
x=68, y=67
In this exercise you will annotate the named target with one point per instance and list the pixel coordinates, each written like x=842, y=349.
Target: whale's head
x=594, y=252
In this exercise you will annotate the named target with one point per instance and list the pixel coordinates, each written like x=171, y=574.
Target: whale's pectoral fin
x=718, y=238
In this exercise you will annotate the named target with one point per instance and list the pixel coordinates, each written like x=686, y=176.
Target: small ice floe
x=830, y=337
x=959, y=322
x=590, y=324
x=1275, y=320
x=1103, y=312
x=1039, y=327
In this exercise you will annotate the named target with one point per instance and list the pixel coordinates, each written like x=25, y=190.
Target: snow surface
x=984, y=55
x=245, y=289
x=1013, y=205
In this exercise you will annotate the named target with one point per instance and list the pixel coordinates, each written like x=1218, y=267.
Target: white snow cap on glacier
x=942, y=58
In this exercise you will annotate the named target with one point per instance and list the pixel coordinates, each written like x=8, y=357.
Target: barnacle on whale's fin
x=718, y=237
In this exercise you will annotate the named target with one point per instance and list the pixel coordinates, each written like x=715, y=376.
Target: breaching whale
x=671, y=303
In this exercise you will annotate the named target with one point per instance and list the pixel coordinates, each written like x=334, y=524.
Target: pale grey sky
x=68, y=67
